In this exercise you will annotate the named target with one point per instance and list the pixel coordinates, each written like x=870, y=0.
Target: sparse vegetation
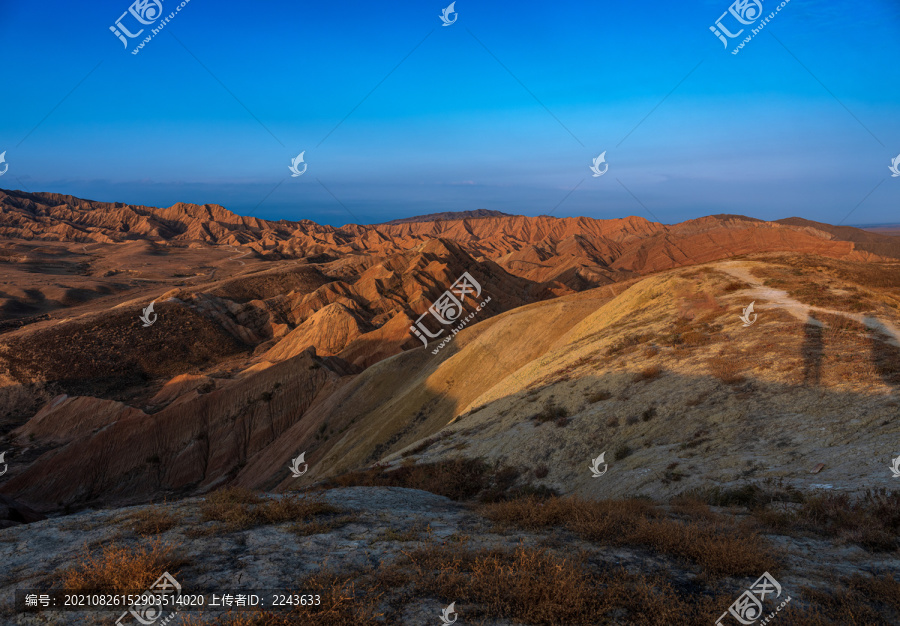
x=109, y=355
x=733, y=286
x=151, y=520
x=698, y=399
x=716, y=546
x=458, y=479
x=871, y=519
x=648, y=373
x=240, y=509
x=628, y=342
x=622, y=452
x=728, y=370
x=599, y=396
x=822, y=282
x=698, y=438
x=524, y=585
x=551, y=413
x=410, y=534
x=686, y=333
x=421, y=446
x=122, y=568
x=749, y=495
x=672, y=474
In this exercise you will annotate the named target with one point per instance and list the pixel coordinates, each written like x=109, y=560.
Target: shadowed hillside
x=639, y=416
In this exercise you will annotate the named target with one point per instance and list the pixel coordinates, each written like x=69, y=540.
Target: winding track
x=235, y=258
x=801, y=311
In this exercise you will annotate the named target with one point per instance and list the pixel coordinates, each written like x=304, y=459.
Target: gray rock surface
x=272, y=557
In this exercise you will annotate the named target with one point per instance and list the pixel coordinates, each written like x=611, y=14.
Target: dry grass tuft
x=551, y=413
x=718, y=547
x=152, y=520
x=735, y=285
x=522, y=586
x=726, y=369
x=599, y=396
x=871, y=520
x=686, y=333
x=118, y=568
x=648, y=373
x=865, y=600
x=626, y=344
x=239, y=509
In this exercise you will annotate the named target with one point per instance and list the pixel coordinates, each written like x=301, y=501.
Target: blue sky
x=213, y=108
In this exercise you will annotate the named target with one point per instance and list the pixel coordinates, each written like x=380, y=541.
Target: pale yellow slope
x=667, y=375
x=415, y=394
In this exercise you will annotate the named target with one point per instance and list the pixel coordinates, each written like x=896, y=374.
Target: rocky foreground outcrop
x=362, y=533
x=387, y=552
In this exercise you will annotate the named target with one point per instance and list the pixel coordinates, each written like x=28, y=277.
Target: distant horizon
x=422, y=215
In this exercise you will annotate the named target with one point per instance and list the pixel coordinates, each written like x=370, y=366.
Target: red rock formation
x=227, y=384
x=192, y=445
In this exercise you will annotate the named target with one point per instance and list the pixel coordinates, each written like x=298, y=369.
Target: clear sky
x=504, y=109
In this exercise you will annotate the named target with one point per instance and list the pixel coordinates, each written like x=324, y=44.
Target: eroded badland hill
x=730, y=448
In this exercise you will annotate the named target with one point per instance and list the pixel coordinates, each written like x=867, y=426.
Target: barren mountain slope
x=667, y=381
x=170, y=394
x=414, y=394
x=569, y=320
x=658, y=373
